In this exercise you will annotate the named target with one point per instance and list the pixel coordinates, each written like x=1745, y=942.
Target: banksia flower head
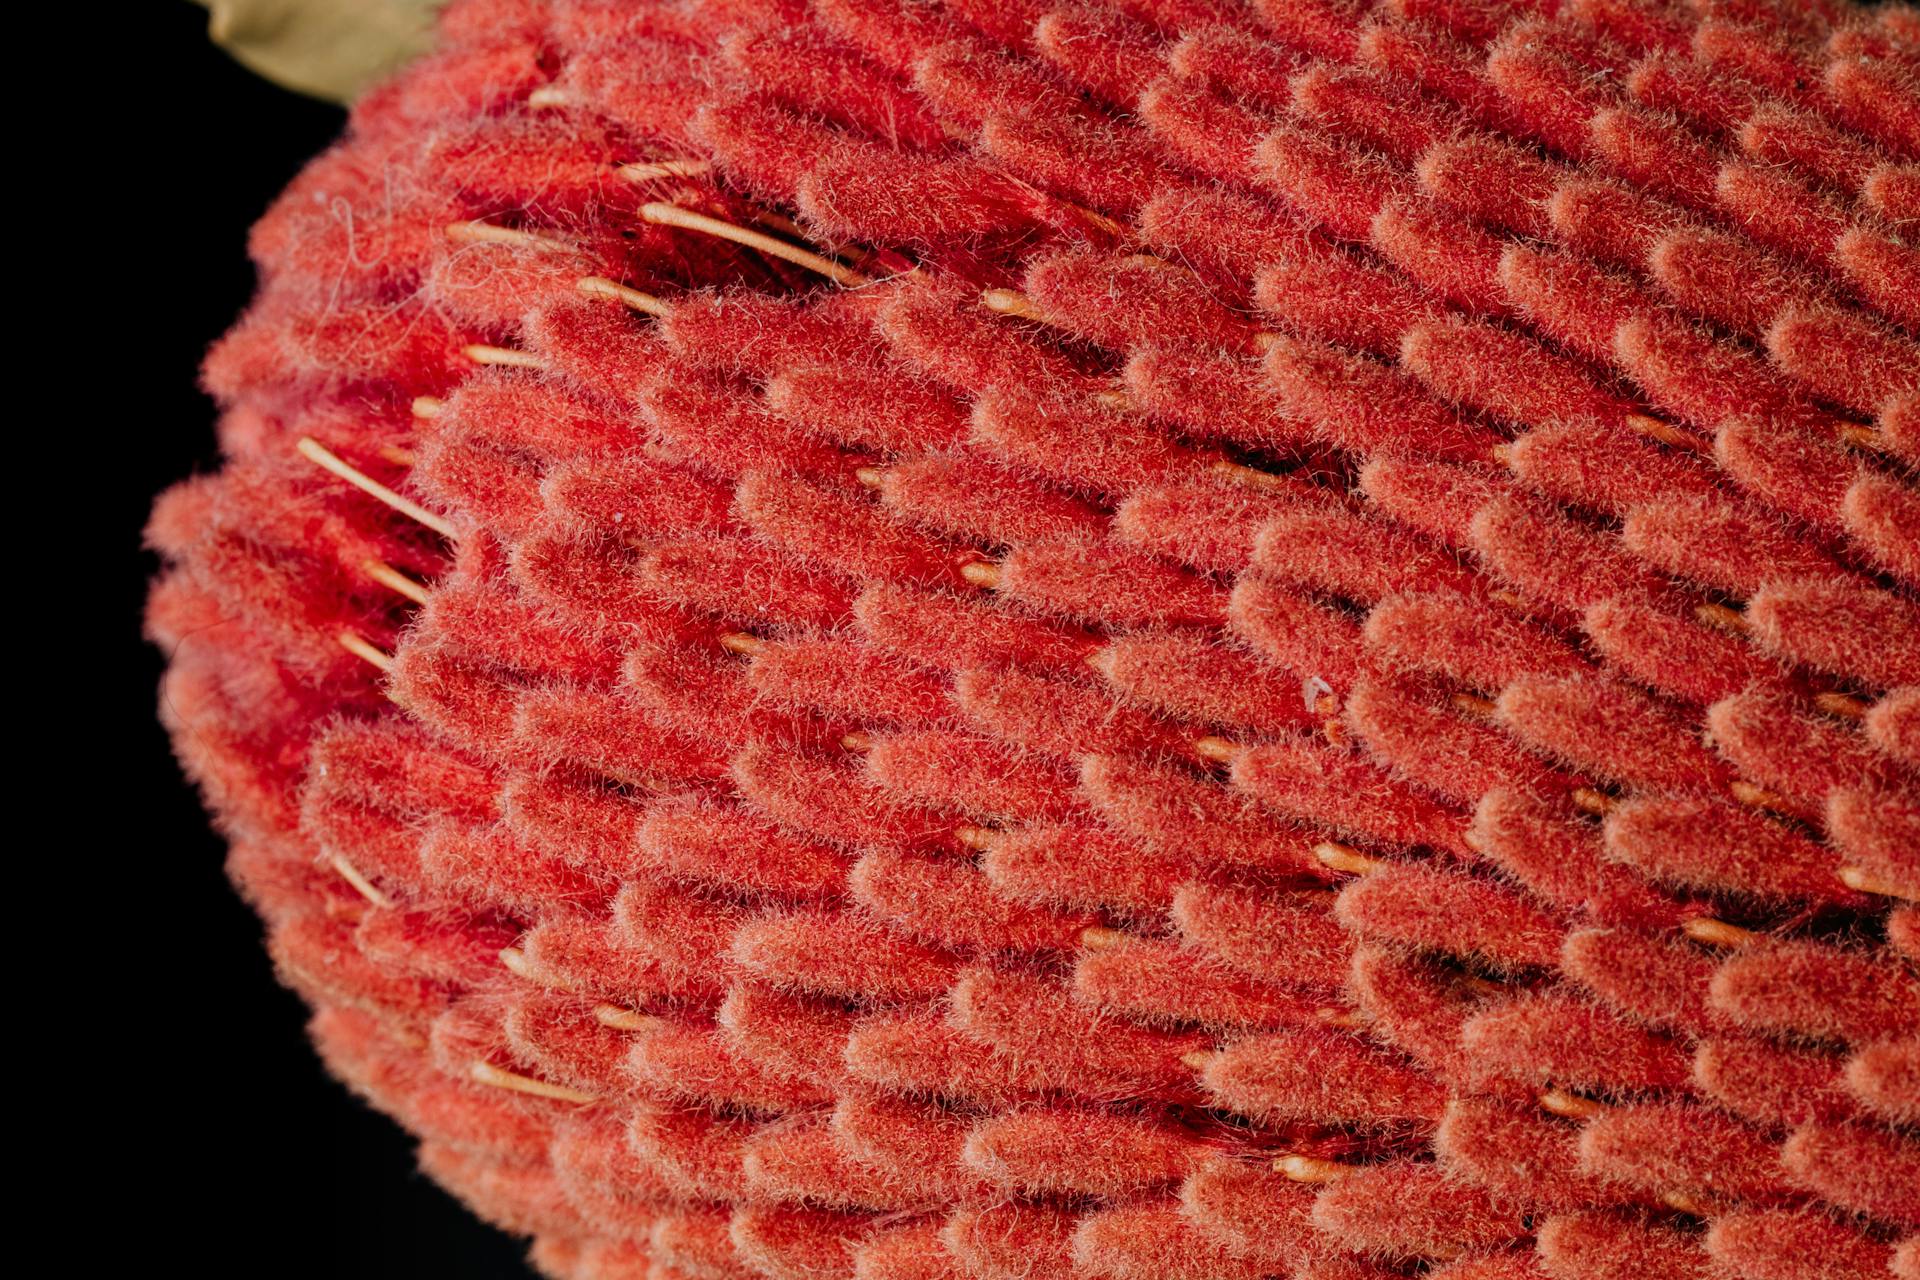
x=1149, y=638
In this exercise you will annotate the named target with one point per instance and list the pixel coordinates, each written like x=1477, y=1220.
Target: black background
x=226, y=1149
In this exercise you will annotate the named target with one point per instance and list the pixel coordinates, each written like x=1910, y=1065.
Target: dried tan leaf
x=325, y=48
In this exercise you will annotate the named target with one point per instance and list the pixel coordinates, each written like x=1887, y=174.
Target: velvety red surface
x=1393, y=640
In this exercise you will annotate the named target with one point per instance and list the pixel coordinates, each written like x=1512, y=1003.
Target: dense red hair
x=1298, y=654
